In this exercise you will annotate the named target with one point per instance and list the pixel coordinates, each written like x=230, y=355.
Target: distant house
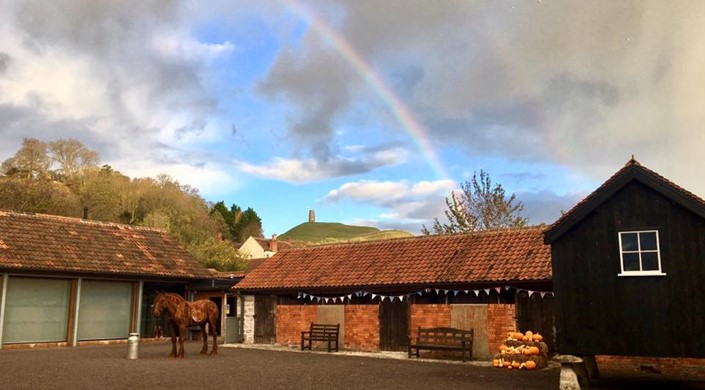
x=381, y=291
x=67, y=281
x=629, y=269
x=258, y=247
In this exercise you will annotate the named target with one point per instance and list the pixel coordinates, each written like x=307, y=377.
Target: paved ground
x=241, y=368
x=273, y=369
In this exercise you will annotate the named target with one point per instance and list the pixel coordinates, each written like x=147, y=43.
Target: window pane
x=649, y=261
x=631, y=261
x=648, y=241
x=629, y=242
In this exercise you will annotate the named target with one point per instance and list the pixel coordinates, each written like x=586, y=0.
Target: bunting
x=348, y=297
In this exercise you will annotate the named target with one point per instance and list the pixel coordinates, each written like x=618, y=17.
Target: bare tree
x=479, y=206
x=72, y=157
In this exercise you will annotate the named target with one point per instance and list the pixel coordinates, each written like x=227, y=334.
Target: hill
x=331, y=232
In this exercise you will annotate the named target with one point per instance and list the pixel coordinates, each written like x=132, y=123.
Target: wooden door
x=265, y=326
x=394, y=325
x=536, y=314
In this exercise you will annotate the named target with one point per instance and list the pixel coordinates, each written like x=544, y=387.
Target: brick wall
x=429, y=316
x=500, y=321
x=292, y=320
x=362, y=327
x=667, y=366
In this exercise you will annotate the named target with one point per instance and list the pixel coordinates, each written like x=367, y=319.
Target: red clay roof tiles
x=37, y=242
x=493, y=256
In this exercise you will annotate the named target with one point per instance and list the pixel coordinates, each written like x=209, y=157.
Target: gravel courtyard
x=246, y=368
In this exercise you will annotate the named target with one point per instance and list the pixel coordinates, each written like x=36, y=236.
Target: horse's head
x=159, y=304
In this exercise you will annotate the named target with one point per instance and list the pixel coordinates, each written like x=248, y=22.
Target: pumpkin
x=502, y=347
x=516, y=364
x=519, y=336
x=538, y=337
x=495, y=363
x=506, y=363
x=530, y=365
x=534, y=350
x=527, y=351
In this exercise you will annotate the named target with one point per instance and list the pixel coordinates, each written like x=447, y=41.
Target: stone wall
x=249, y=319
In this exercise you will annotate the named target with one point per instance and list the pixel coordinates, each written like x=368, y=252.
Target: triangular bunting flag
x=373, y=296
x=531, y=292
x=487, y=290
x=335, y=299
x=420, y=293
x=506, y=288
x=455, y=292
x=477, y=292
x=498, y=289
x=325, y=300
x=466, y=291
x=350, y=296
x=543, y=293
x=438, y=291
x=401, y=298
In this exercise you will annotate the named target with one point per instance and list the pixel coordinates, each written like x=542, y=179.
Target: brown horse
x=181, y=314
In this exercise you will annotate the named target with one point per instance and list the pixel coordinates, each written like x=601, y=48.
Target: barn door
x=394, y=326
x=264, y=319
x=536, y=314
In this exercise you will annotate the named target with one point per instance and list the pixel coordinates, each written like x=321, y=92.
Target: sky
x=368, y=112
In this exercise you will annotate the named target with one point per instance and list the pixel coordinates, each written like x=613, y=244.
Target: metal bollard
x=133, y=346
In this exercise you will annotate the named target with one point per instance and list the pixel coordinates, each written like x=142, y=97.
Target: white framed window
x=639, y=253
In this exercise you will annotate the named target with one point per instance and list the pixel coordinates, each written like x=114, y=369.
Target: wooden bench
x=320, y=332
x=442, y=339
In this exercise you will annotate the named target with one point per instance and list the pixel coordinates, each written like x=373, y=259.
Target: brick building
x=382, y=291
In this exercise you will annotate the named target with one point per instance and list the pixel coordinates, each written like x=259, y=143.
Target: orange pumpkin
x=527, y=351
x=495, y=362
x=530, y=365
x=519, y=336
x=507, y=363
x=538, y=337
x=534, y=350
x=502, y=347
x=515, y=364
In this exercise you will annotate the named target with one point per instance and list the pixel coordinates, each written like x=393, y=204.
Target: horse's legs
x=182, y=335
x=211, y=328
x=204, y=350
x=174, y=333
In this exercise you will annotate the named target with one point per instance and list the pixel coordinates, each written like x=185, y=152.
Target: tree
x=72, y=157
x=31, y=161
x=241, y=224
x=479, y=206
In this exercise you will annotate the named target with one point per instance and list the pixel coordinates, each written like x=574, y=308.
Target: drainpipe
x=74, y=341
x=3, y=297
x=138, y=320
x=241, y=331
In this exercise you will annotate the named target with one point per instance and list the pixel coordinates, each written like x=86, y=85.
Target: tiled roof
x=37, y=242
x=492, y=256
x=632, y=170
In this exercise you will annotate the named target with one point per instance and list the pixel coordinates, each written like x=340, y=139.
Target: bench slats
x=447, y=339
x=320, y=332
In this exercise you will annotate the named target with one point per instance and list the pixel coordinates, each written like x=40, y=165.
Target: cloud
x=545, y=206
x=311, y=169
x=405, y=205
x=124, y=77
x=577, y=84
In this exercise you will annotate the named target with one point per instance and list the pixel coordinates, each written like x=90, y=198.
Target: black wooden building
x=629, y=269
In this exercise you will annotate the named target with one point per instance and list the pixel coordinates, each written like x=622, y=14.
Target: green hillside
x=329, y=232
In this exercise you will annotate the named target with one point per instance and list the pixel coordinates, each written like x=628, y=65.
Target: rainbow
x=417, y=132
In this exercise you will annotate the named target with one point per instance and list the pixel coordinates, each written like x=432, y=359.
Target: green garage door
x=36, y=310
x=104, y=310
